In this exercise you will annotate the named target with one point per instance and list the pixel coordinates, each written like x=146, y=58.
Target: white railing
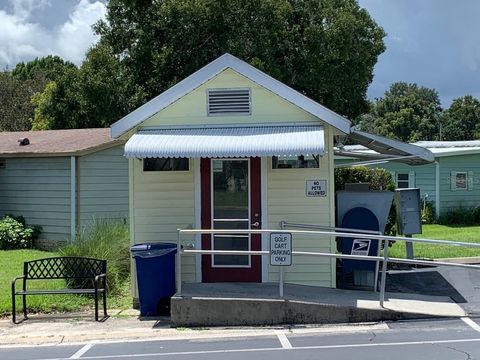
x=385, y=259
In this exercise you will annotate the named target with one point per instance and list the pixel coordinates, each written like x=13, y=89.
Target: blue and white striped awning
x=242, y=141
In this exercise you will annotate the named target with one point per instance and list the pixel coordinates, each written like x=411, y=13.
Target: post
x=383, y=280
x=409, y=246
x=281, y=282
x=179, y=264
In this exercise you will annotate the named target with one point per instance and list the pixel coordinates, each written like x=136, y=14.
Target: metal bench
x=80, y=271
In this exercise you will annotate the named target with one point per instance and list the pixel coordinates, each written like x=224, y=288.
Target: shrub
x=108, y=240
x=14, y=234
x=428, y=212
x=379, y=179
x=459, y=216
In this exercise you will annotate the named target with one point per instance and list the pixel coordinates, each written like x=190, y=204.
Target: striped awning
x=242, y=141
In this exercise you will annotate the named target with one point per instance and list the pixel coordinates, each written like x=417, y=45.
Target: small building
x=450, y=182
x=229, y=147
x=62, y=179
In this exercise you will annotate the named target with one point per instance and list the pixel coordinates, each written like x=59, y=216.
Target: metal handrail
x=385, y=258
x=322, y=227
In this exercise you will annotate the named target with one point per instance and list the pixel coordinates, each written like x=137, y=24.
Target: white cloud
x=22, y=39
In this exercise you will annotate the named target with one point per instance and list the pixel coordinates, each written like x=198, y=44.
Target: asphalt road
x=448, y=339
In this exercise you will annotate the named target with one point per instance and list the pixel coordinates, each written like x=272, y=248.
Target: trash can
x=155, y=263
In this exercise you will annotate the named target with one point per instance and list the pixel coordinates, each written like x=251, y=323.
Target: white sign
x=316, y=188
x=280, y=249
x=360, y=247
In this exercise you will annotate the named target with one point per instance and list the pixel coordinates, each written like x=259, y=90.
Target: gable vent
x=229, y=102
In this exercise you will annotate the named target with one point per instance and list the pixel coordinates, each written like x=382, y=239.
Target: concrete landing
x=229, y=304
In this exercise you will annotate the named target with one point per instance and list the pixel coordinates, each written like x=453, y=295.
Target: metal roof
x=384, y=148
x=244, y=141
x=214, y=68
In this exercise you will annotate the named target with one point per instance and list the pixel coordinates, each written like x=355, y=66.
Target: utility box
x=408, y=207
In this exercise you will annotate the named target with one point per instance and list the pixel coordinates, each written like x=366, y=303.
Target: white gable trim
x=214, y=68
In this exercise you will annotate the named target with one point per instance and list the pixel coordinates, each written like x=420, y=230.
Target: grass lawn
x=441, y=232
x=11, y=265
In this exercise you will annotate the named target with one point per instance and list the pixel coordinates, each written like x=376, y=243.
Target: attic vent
x=229, y=102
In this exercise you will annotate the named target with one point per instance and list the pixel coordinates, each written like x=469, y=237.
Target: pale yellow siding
x=162, y=202
x=287, y=200
x=192, y=108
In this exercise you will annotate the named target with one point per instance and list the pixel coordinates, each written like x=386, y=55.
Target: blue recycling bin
x=155, y=263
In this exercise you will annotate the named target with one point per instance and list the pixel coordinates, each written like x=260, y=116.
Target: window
x=402, y=181
x=296, y=162
x=166, y=164
x=3, y=163
x=228, y=102
x=461, y=180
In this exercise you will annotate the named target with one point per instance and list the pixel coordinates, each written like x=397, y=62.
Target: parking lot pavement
x=428, y=339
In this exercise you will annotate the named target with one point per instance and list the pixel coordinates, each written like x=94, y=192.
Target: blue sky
x=435, y=43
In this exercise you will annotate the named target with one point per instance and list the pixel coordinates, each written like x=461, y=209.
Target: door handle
x=255, y=224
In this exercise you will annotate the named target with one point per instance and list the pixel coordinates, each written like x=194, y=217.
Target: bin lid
x=147, y=250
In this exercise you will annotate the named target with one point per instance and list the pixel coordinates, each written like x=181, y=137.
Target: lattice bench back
x=64, y=268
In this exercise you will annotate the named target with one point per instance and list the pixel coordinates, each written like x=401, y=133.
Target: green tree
x=94, y=95
x=51, y=67
x=407, y=112
x=461, y=121
x=325, y=49
x=16, y=110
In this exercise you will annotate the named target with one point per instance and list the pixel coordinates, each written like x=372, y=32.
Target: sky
x=434, y=43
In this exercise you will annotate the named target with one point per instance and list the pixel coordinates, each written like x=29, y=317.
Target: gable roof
x=214, y=68
x=55, y=142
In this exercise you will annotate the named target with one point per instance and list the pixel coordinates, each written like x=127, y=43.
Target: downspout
x=437, y=190
x=77, y=191
x=73, y=197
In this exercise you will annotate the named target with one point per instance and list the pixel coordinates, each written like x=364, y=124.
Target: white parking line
x=316, y=347
x=471, y=323
x=82, y=351
x=283, y=339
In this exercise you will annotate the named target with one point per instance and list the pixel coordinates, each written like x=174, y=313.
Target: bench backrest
x=68, y=267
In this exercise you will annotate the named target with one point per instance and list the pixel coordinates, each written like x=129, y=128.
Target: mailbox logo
x=360, y=247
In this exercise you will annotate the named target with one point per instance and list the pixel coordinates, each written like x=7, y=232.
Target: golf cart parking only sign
x=280, y=249
x=316, y=188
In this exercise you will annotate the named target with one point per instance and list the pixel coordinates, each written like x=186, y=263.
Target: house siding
x=287, y=200
x=450, y=199
x=39, y=190
x=266, y=106
x=162, y=203
x=103, y=186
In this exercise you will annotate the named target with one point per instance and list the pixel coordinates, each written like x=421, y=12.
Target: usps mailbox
x=362, y=210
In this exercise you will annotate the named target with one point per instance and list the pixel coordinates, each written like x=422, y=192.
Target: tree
x=51, y=67
x=16, y=110
x=94, y=95
x=407, y=112
x=325, y=49
x=461, y=121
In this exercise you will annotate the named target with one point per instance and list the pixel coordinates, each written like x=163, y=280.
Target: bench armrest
x=97, y=280
x=15, y=280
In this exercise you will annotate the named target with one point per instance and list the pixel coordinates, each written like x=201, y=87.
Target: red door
x=231, y=199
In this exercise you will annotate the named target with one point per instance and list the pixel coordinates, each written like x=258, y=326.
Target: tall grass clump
x=107, y=240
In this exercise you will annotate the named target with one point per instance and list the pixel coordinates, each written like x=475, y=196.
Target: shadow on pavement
x=423, y=281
